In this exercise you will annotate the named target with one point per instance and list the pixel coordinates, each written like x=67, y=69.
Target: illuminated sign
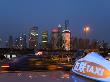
x=91, y=69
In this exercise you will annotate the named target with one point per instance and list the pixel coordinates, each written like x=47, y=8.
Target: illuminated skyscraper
x=20, y=42
x=17, y=43
x=66, y=37
x=45, y=40
x=33, y=38
x=55, y=38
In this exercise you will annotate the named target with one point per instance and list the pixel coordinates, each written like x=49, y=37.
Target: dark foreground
x=41, y=76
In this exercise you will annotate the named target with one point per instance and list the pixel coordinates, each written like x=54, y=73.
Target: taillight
x=5, y=66
x=52, y=67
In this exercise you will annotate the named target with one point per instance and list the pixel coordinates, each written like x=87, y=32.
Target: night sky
x=17, y=16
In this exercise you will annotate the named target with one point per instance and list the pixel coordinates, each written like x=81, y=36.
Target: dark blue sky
x=18, y=16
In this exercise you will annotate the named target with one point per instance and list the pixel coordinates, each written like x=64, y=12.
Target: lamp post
x=86, y=30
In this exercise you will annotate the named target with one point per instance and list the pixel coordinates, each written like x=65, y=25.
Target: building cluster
x=60, y=38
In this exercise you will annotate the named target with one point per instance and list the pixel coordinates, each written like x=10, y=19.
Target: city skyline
x=18, y=16
x=59, y=38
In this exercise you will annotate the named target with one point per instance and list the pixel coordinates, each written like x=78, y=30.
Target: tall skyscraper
x=66, y=37
x=55, y=38
x=10, y=42
x=24, y=41
x=33, y=38
x=17, y=43
x=45, y=40
x=1, y=43
x=20, y=42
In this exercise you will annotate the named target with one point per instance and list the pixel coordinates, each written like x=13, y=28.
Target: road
x=41, y=76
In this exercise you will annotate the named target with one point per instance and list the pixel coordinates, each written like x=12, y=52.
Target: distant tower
x=10, y=42
x=55, y=38
x=33, y=38
x=66, y=36
x=17, y=43
x=22, y=41
x=45, y=40
x=66, y=24
x=1, y=43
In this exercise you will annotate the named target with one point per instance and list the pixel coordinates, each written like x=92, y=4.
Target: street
x=41, y=76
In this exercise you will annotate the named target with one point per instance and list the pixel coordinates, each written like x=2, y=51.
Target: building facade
x=56, y=38
x=44, y=43
x=21, y=42
x=33, y=38
x=66, y=38
x=10, y=42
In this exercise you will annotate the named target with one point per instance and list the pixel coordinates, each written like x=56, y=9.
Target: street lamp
x=86, y=30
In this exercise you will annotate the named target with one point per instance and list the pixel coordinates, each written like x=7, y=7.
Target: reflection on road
x=39, y=76
x=77, y=78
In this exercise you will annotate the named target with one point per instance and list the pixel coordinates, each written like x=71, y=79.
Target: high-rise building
x=17, y=43
x=20, y=42
x=66, y=37
x=10, y=42
x=45, y=40
x=75, y=43
x=24, y=41
x=33, y=38
x=81, y=43
x=56, y=38
x=0, y=43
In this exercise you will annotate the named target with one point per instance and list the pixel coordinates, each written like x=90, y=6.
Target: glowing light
x=66, y=31
x=44, y=35
x=20, y=39
x=39, y=53
x=5, y=66
x=65, y=76
x=30, y=76
x=34, y=34
x=86, y=29
x=44, y=41
x=13, y=56
x=52, y=67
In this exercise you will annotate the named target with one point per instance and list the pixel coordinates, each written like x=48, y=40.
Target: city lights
x=86, y=29
x=66, y=39
x=53, y=42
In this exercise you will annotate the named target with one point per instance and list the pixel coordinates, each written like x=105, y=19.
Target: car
x=93, y=66
x=29, y=63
